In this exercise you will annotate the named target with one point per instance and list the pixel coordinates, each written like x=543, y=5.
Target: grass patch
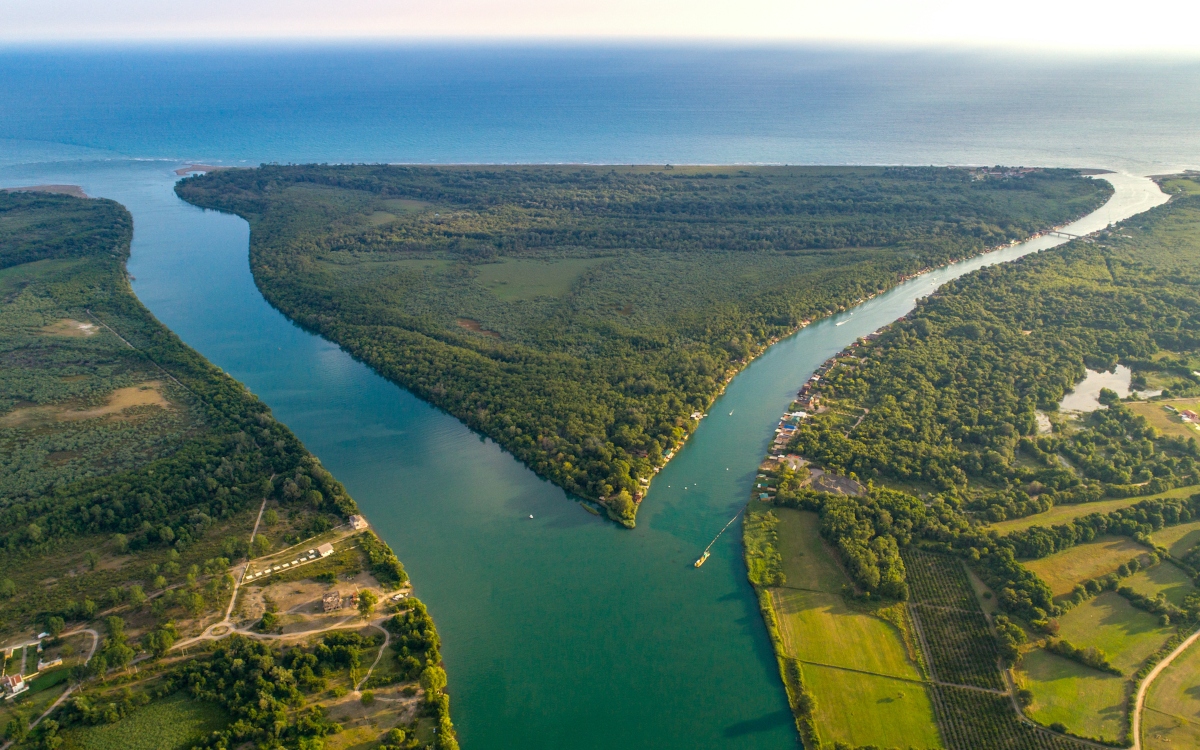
x=1166, y=579
x=513, y=280
x=1178, y=539
x=1168, y=422
x=807, y=563
x=1064, y=513
x=823, y=628
x=1127, y=635
x=1172, y=716
x=864, y=709
x=1063, y=570
x=172, y=723
x=1088, y=702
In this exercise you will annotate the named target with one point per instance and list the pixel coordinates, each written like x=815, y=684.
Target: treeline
x=692, y=272
x=953, y=389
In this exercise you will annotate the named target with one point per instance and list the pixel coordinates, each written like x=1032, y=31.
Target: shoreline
x=799, y=696
x=847, y=307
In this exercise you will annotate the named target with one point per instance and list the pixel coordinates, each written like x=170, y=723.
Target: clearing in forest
x=513, y=280
x=1166, y=579
x=1064, y=570
x=1128, y=636
x=1064, y=513
x=1087, y=701
x=171, y=723
x=1178, y=540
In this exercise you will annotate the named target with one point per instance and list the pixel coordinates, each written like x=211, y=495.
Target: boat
x=702, y=559
x=844, y=322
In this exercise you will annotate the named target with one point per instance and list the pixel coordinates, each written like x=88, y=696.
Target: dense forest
x=582, y=316
x=954, y=390
x=132, y=471
x=951, y=441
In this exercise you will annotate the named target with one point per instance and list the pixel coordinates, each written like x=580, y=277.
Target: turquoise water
x=561, y=631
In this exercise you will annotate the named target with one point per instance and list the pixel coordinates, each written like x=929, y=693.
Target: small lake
x=562, y=630
x=1086, y=396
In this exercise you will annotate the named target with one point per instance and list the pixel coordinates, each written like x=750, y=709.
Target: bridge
x=1066, y=235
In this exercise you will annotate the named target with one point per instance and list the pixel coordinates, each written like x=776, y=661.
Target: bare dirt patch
x=120, y=400
x=71, y=329
x=475, y=327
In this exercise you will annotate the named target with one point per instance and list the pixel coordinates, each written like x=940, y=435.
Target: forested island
x=586, y=317
x=176, y=570
x=944, y=553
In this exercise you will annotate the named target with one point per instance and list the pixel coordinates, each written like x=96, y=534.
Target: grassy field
x=514, y=280
x=1112, y=625
x=1178, y=539
x=1064, y=513
x=817, y=624
x=1172, y=716
x=1089, y=702
x=1167, y=422
x=1165, y=579
x=1063, y=570
x=864, y=710
x=173, y=723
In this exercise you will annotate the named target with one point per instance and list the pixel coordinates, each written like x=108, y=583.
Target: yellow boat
x=702, y=559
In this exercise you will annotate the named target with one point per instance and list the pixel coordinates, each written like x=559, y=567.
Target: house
x=325, y=550
x=1189, y=416
x=331, y=601
x=358, y=523
x=13, y=684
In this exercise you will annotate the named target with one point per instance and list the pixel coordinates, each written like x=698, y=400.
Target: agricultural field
x=1178, y=540
x=1110, y=623
x=1090, y=703
x=1063, y=570
x=1168, y=422
x=1171, y=719
x=819, y=626
x=961, y=646
x=172, y=723
x=870, y=710
x=971, y=720
x=1064, y=513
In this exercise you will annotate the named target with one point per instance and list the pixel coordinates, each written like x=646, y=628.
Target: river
x=560, y=631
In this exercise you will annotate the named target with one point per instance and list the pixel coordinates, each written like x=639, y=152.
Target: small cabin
x=331, y=601
x=358, y=523
x=325, y=550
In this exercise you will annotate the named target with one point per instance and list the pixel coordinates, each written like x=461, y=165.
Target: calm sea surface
x=562, y=631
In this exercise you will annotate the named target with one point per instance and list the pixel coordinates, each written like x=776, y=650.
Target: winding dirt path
x=1144, y=688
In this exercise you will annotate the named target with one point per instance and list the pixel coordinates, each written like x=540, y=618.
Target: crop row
x=971, y=720
x=938, y=580
x=962, y=647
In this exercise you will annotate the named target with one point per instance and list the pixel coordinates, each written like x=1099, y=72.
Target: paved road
x=1144, y=688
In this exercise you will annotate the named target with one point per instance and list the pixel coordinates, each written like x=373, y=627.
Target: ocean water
x=560, y=631
x=611, y=104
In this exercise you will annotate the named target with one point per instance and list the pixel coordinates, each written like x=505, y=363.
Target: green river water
x=562, y=630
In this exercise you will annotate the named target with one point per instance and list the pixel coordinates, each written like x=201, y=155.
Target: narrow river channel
x=560, y=631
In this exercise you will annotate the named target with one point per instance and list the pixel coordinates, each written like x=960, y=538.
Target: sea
x=559, y=629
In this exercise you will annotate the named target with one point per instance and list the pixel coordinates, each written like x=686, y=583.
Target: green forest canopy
x=580, y=315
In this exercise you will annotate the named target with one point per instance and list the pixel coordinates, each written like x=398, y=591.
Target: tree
x=137, y=597
x=120, y=543
x=55, y=625
x=433, y=681
x=8, y=588
x=366, y=603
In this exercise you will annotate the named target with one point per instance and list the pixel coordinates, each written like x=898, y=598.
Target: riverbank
x=766, y=550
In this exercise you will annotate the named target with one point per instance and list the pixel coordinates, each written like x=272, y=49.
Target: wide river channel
x=560, y=631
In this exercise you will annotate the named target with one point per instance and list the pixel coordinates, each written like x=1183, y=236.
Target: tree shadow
x=763, y=723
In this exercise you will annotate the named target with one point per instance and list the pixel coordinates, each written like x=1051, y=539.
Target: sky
x=1161, y=26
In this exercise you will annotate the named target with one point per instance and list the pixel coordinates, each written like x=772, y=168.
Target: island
x=585, y=317
x=952, y=549
x=176, y=570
